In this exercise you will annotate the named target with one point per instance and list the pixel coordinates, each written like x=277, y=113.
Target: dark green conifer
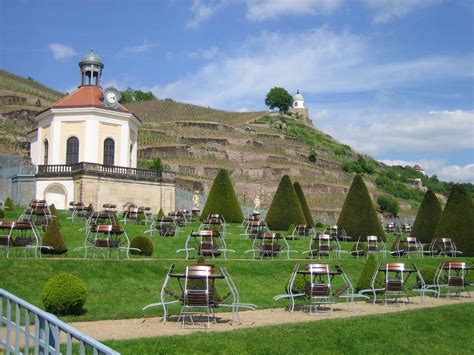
x=427, y=218
x=222, y=200
x=304, y=205
x=285, y=208
x=54, y=238
x=358, y=217
x=456, y=222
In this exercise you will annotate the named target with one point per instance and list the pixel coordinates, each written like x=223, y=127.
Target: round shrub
x=64, y=294
x=144, y=244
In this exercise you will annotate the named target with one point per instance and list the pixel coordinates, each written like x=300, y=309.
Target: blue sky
x=392, y=78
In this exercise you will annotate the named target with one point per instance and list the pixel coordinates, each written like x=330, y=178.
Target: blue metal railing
x=20, y=335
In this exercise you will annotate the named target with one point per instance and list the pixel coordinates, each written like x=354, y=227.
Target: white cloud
x=207, y=54
x=445, y=131
x=259, y=10
x=140, y=48
x=202, y=12
x=317, y=61
x=439, y=167
x=61, y=51
x=387, y=10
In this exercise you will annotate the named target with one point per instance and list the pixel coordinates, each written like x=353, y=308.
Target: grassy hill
x=256, y=147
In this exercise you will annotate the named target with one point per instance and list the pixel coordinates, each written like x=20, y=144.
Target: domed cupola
x=298, y=100
x=91, y=69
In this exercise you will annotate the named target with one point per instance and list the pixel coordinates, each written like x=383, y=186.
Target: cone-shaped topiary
x=304, y=205
x=222, y=200
x=367, y=273
x=53, y=210
x=54, y=238
x=144, y=244
x=9, y=205
x=358, y=216
x=64, y=294
x=285, y=208
x=427, y=218
x=160, y=214
x=456, y=222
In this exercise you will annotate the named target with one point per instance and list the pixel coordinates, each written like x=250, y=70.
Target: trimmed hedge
x=222, y=200
x=53, y=210
x=54, y=238
x=456, y=222
x=9, y=205
x=304, y=205
x=64, y=294
x=427, y=218
x=365, y=278
x=358, y=216
x=144, y=244
x=160, y=214
x=285, y=208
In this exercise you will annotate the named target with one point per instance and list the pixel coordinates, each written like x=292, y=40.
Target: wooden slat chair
x=302, y=231
x=413, y=247
x=318, y=288
x=6, y=228
x=443, y=247
x=456, y=278
x=395, y=282
x=132, y=214
x=25, y=237
x=255, y=229
x=375, y=245
x=209, y=243
x=198, y=296
x=107, y=239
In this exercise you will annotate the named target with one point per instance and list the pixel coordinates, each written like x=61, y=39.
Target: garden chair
x=235, y=304
x=6, y=228
x=443, y=247
x=346, y=290
x=165, y=226
x=302, y=231
x=255, y=229
x=270, y=245
x=132, y=214
x=423, y=287
x=375, y=245
x=206, y=243
x=358, y=249
x=214, y=221
x=374, y=288
x=413, y=247
x=106, y=239
x=291, y=291
x=395, y=282
x=198, y=295
x=318, y=288
x=25, y=237
x=455, y=278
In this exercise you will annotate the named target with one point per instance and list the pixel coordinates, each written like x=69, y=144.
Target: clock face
x=111, y=97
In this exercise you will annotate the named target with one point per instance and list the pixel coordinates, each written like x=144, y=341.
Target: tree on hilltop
x=222, y=200
x=285, y=208
x=278, y=98
x=358, y=217
x=427, y=218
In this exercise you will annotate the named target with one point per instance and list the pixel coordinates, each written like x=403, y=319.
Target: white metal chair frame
x=291, y=293
x=192, y=239
x=269, y=245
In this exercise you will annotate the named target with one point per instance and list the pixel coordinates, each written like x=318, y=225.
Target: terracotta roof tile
x=85, y=96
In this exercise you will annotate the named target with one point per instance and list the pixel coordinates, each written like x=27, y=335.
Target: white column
x=56, y=143
x=124, y=145
x=90, y=146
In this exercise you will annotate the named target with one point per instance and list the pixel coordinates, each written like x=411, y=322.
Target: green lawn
x=442, y=330
x=121, y=288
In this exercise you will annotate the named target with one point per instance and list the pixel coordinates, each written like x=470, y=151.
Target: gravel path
x=152, y=327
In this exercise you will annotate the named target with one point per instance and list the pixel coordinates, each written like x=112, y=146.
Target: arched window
x=109, y=151
x=46, y=151
x=72, y=151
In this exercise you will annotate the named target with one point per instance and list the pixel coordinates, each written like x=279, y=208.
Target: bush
x=161, y=214
x=456, y=222
x=64, y=294
x=427, y=218
x=2, y=214
x=388, y=204
x=319, y=225
x=304, y=205
x=222, y=200
x=285, y=208
x=53, y=238
x=291, y=228
x=428, y=273
x=312, y=157
x=144, y=244
x=53, y=210
x=358, y=217
x=9, y=205
x=366, y=276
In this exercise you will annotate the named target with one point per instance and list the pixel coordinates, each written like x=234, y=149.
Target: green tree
x=358, y=216
x=304, y=205
x=285, y=208
x=312, y=157
x=388, y=204
x=456, y=222
x=131, y=95
x=156, y=164
x=279, y=98
x=222, y=199
x=427, y=218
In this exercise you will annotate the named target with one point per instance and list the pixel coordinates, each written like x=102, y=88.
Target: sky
x=391, y=78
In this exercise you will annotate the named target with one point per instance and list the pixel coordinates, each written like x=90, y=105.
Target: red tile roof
x=85, y=96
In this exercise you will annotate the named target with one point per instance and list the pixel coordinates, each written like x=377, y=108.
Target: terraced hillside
x=258, y=148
